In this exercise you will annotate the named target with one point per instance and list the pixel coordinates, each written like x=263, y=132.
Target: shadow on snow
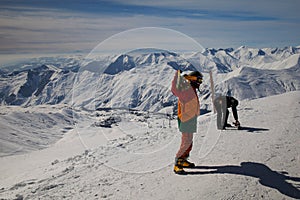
x=248, y=129
x=266, y=176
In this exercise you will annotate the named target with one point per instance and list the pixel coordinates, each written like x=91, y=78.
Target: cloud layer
x=33, y=26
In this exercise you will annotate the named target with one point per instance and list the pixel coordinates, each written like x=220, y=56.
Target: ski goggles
x=197, y=79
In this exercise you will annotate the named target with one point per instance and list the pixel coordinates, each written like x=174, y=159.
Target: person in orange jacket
x=184, y=87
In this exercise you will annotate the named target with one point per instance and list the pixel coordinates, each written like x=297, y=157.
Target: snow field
x=257, y=162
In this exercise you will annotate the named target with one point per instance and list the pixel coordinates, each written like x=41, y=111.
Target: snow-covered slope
x=32, y=128
x=46, y=84
x=259, y=162
x=251, y=83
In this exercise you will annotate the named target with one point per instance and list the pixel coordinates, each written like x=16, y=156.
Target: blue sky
x=56, y=26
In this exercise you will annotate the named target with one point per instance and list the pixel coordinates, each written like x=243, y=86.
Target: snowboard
x=233, y=128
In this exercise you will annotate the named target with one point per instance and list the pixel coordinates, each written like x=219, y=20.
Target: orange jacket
x=188, y=103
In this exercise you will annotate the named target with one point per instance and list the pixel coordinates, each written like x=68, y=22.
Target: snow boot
x=179, y=170
x=185, y=163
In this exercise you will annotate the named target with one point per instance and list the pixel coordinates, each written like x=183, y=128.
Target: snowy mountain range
x=141, y=79
x=61, y=138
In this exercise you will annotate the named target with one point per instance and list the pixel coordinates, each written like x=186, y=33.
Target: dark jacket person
x=222, y=103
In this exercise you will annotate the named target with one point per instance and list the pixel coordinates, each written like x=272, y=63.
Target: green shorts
x=189, y=126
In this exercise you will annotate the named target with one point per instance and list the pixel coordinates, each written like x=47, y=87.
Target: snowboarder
x=222, y=103
x=184, y=87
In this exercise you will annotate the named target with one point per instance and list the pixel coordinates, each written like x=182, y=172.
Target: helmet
x=195, y=73
x=194, y=76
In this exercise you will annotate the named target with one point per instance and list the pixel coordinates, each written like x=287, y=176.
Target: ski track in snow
x=257, y=162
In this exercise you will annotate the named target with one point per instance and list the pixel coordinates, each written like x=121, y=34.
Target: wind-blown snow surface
x=259, y=162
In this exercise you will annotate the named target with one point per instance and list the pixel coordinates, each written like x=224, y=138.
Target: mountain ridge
x=127, y=80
